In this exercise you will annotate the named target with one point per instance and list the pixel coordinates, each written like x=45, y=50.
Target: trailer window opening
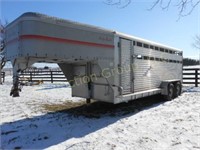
x=146, y=46
x=178, y=53
x=151, y=47
x=173, y=52
x=165, y=60
x=162, y=49
x=139, y=44
x=151, y=58
x=146, y=57
x=157, y=59
x=139, y=56
x=156, y=48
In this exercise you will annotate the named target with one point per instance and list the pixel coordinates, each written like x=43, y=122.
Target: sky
x=156, y=25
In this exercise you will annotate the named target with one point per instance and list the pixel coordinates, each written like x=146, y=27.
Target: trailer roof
x=64, y=21
x=146, y=41
x=89, y=27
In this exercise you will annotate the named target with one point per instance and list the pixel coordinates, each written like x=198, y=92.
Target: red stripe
x=12, y=41
x=47, y=38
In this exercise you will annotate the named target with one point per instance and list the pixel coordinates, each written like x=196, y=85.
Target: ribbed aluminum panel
x=125, y=59
x=149, y=74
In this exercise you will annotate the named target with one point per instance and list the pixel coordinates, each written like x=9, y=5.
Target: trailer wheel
x=177, y=89
x=170, y=95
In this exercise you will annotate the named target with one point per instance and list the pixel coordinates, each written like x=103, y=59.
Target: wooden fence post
x=31, y=78
x=0, y=73
x=196, y=77
x=4, y=76
x=0, y=78
x=51, y=76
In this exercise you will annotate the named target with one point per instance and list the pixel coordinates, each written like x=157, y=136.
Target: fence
x=3, y=76
x=45, y=75
x=191, y=76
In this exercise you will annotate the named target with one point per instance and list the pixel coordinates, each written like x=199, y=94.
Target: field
x=46, y=117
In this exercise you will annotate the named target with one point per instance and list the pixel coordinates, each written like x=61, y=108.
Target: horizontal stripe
x=12, y=41
x=61, y=40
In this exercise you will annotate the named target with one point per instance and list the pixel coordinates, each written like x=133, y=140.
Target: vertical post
x=31, y=78
x=88, y=101
x=0, y=74
x=51, y=76
x=4, y=76
x=88, y=74
x=15, y=89
x=196, y=77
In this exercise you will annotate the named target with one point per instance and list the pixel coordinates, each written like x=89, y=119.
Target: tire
x=170, y=95
x=177, y=89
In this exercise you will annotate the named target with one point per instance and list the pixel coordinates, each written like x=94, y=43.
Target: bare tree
x=2, y=62
x=118, y=3
x=185, y=7
x=196, y=44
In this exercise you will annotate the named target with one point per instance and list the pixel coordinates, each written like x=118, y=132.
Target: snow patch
x=25, y=124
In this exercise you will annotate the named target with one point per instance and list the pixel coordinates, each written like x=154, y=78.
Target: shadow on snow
x=53, y=86
x=56, y=127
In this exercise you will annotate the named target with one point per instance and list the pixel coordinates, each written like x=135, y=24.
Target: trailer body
x=99, y=64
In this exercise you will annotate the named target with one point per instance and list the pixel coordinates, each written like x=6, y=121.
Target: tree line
x=190, y=62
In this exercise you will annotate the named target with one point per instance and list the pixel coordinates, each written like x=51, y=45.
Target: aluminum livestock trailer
x=99, y=64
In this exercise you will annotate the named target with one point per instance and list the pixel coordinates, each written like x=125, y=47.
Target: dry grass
x=97, y=109
x=62, y=107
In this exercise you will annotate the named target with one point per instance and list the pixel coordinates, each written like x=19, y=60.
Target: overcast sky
x=135, y=19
